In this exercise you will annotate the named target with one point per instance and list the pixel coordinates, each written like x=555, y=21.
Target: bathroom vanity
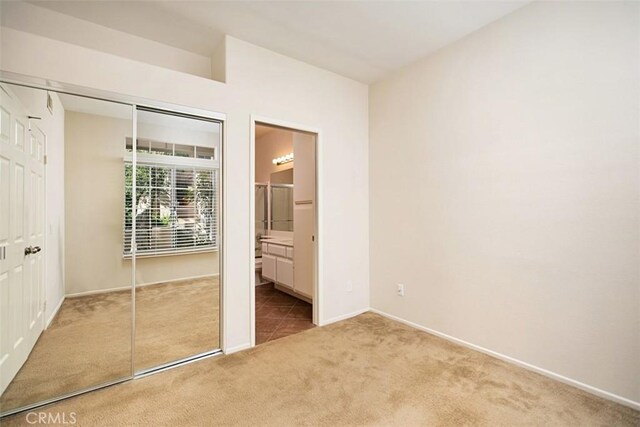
x=278, y=266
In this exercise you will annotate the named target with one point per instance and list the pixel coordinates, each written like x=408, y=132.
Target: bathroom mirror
x=65, y=287
x=282, y=207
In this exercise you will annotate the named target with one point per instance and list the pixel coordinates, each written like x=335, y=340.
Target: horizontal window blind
x=175, y=207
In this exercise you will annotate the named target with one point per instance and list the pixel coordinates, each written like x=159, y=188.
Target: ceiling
x=81, y=104
x=361, y=40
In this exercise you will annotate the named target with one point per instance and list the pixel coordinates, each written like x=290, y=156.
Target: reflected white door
x=21, y=235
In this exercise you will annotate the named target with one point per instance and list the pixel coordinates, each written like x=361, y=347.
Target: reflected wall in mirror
x=71, y=329
x=175, y=211
x=282, y=207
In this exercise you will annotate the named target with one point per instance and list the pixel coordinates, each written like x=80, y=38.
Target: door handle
x=30, y=250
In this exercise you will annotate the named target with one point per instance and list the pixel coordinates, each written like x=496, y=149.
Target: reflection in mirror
x=176, y=212
x=71, y=329
x=282, y=207
x=261, y=216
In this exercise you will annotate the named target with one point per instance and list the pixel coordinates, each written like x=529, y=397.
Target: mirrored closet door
x=65, y=288
x=177, y=205
x=109, y=242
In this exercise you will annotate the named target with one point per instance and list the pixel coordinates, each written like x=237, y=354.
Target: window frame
x=174, y=162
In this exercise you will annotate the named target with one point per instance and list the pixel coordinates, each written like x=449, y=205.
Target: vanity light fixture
x=283, y=159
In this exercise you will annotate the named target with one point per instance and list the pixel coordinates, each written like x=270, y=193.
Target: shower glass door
x=261, y=215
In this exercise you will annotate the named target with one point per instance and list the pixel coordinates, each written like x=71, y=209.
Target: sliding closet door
x=176, y=217
x=66, y=276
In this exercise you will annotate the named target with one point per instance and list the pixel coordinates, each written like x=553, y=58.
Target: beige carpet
x=89, y=341
x=363, y=371
x=176, y=320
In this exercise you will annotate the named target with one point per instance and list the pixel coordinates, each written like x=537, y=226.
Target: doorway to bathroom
x=285, y=294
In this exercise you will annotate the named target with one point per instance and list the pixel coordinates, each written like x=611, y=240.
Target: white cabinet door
x=304, y=171
x=284, y=271
x=304, y=194
x=269, y=267
x=304, y=247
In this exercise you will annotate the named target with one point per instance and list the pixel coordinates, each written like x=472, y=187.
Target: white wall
x=263, y=83
x=269, y=146
x=52, y=124
x=504, y=181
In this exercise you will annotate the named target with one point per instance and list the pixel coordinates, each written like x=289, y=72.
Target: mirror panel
x=176, y=219
x=83, y=205
x=282, y=207
x=71, y=329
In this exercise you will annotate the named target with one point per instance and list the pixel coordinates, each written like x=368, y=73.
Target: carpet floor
x=89, y=341
x=366, y=370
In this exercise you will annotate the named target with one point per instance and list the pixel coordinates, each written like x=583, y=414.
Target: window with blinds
x=175, y=209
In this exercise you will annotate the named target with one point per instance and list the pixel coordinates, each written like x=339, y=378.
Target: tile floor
x=279, y=315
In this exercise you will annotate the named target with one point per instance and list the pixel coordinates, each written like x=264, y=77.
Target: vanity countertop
x=277, y=241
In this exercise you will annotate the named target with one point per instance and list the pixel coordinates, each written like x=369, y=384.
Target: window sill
x=169, y=253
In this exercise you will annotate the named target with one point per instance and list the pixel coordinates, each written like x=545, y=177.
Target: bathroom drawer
x=277, y=250
x=265, y=248
x=290, y=253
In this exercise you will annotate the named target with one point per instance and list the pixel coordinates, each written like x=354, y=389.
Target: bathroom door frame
x=318, y=301
x=134, y=102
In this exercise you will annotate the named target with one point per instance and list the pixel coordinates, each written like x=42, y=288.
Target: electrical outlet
x=349, y=286
x=400, y=290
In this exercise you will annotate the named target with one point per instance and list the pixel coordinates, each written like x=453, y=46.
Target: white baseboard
x=590, y=389
x=344, y=316
x=139, y=285
x=97, y=292
x=55, y=312
x=237, y=348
